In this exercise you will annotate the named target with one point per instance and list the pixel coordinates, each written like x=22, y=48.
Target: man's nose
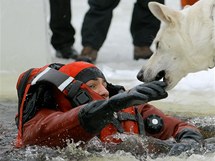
x=104, y=92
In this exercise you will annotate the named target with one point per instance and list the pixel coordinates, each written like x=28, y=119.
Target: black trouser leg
x=144, y=25
x=60, y=24
x=97, y=22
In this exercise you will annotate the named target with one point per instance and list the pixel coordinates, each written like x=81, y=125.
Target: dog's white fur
x=184, y=44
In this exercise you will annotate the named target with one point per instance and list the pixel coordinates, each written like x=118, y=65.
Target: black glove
x=140, y=94
x=190, y=141
x=114, y=89
x=189, y=146
x=95, y=115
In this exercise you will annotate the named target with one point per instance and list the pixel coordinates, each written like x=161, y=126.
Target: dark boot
x=67, y=53
x=88, y=54
x=142, y=52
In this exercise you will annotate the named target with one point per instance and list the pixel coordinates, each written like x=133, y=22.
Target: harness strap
x=22, y=85
x=65, y=84
x=58, y=79
x=140, y=122
x=22, y=94
x=117, y=124
x=20, y=123
x=73, y=88
x=124, y=116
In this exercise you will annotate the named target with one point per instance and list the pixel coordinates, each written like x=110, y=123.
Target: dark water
x=134, y=148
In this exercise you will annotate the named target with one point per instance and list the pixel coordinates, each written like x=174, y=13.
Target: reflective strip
x=40, y=75
x=65, y=83
x=60, y=80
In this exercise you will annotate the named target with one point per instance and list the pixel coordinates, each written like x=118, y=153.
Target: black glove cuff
x=189, y=134
x=114, y=89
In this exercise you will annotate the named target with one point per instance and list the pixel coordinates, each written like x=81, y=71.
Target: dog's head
x=174, y=52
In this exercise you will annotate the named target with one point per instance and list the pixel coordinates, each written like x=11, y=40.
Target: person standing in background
x=144, y=27
x=62, y=31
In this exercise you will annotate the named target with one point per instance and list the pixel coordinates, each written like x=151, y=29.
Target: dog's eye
x=157, y=44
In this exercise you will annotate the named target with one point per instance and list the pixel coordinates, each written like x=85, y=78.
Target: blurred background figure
x=187, y=2
x=144, y=27
x=62, y=31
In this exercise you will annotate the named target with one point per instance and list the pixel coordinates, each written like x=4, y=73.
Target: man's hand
x=189, y=141
x=189, y=146
x=140, y=94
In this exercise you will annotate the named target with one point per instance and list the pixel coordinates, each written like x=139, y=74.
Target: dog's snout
x=140, y=75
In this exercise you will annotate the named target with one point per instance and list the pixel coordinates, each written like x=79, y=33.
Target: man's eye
x=92, y=86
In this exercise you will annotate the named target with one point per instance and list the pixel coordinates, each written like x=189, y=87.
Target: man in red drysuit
x=75, y=102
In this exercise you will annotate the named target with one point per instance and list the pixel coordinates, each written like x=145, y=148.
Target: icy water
x=94, y=150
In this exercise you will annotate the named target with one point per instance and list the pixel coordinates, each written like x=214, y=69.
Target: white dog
x=184, y=44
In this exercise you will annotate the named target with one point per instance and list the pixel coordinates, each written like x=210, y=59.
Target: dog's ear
x=164, y=13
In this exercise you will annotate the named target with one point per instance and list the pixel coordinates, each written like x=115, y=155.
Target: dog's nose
x=140, y=75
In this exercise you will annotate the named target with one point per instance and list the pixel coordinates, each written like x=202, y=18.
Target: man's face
x=99, y=86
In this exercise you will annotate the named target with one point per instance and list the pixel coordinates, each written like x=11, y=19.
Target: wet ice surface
x=134, y=148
